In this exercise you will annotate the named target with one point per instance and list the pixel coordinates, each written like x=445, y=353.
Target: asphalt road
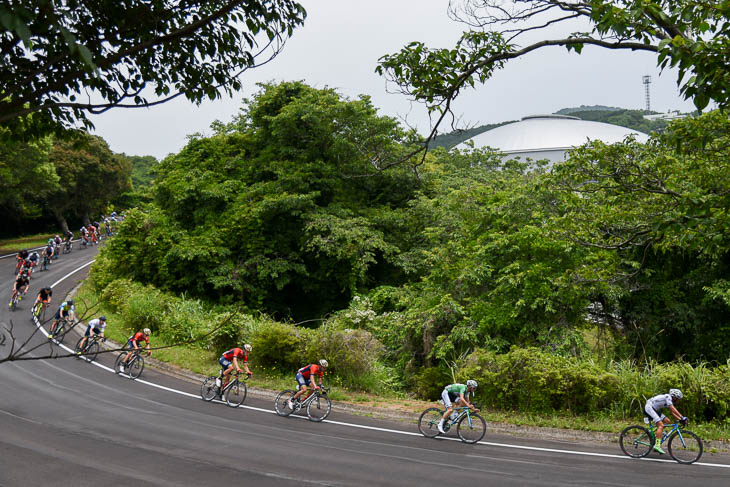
x=69, y=422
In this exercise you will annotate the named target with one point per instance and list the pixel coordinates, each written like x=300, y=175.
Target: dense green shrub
x=352, y=354
x=280, y=346
x=429, y=382
x=531, y=380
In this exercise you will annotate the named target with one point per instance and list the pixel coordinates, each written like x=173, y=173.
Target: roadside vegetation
x=570, y=293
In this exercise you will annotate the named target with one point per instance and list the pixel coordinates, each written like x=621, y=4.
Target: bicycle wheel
x=118, y=362
x=136, y=367
x=13, y=304
x=280, y=403
x=429, y=421
x=59, y=333
x=209, y=390
x=236, y=393
x=319, y=408
x=635, y=441
x=77, y=348
x=92, y=351
x=685, y=446
x=474, y=432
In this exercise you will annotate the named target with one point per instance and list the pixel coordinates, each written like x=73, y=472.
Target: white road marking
x=373, y=428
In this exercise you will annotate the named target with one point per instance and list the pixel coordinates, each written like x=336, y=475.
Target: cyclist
x=96, y=326
x=21, y=257
x=48, y=253
x=456, y=394
x=134, y=343
x=33, y=258
x=659, y=402
x=65, y=311
x=20, y=286
x=69, y=236
x=229, y=361
x=28, y=266
x=84, y=236
x=305, y=378
x=44, y=296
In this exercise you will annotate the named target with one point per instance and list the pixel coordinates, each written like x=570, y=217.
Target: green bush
x=280, y=346
x=352, y=354
x=531, y=380
x=428, y=382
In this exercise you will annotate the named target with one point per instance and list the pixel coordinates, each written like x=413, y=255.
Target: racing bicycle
x=14, y=300
x=67, y=246
x=683, y=445
x=39, y=311
x=234, y=393
x=62, y=328
x=132, y=367
x=317, y=405
x=470, y=426
x=91, y=347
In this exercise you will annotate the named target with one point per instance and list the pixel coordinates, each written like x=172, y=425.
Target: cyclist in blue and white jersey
x=455, y=395
x=96, y=326
x=656, y=404
x=65, y=311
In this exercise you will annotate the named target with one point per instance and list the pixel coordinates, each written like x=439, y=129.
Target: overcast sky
x=339, y=46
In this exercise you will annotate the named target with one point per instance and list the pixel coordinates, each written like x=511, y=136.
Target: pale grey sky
x=339, y=47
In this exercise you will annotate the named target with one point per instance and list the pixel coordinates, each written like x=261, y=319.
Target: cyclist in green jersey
x=455, y=394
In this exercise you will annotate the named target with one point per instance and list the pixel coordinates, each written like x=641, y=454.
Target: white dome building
x=549, y=136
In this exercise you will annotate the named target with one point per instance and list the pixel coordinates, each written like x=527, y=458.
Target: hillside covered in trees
x=461, y=267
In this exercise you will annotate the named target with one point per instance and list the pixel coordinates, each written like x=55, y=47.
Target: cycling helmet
x=471, y=383
x=50, y=241
x=102, y=318
x=246, y=347
x=147, y=331
x=70, y=302
x=676, y=393
x=323, y=363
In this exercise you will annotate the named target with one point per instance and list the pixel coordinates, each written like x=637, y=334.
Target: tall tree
x=66, y=58
x=91, y=176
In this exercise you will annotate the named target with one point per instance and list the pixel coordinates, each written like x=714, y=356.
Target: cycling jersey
x=139, y=336
x=311, y=369
x=45, y=293
x=235, y=352
x=660, y=402
x=23, y=254
x=33, y=257
x=97, y=324
x=456, y=389
x=21, y=281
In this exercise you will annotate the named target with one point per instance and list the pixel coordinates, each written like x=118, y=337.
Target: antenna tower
x=647, y=81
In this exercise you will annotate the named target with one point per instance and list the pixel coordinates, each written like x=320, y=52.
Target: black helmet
x=70, y=302
x=102, y=318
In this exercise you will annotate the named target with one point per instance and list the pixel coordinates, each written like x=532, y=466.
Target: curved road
x=68, y=422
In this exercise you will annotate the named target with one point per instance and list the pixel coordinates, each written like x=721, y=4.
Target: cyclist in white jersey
x=95, y=326
x=655, y=405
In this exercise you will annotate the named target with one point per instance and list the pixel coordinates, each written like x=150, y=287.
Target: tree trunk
x=86, y=219
x=61, y=221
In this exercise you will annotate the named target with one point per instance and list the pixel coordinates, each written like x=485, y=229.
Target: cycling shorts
x=302, y=381
x=130, y=344
x=225, y=363
x=448, y=397
x=653, y=413
x=61, y=314
x=89, y=330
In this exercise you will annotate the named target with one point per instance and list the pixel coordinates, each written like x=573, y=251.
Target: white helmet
x=147, y=331
x=676, y=393
x=471, y=383
x=247, y=347
x=324, y=363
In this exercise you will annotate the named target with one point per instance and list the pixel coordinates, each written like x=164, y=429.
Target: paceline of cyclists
x=309, y=378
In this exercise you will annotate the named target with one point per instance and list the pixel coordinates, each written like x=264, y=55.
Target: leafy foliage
x=53, y=52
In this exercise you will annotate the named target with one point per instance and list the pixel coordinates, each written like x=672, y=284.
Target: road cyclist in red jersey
x=305, y=377
x=134, y=343
x=229, y=361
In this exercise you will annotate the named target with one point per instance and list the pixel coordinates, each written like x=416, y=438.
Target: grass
x=13, y=245
x=202, y=361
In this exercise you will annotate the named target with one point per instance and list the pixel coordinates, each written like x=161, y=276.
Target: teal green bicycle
x=470, y=427
x=684, y=446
